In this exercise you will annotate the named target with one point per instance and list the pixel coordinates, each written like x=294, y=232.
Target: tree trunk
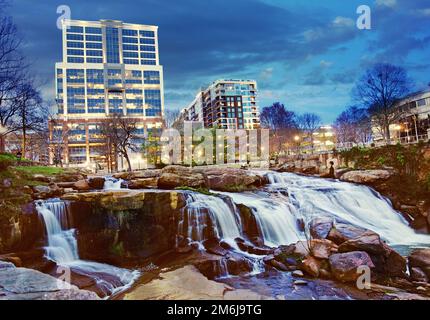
x=387, y=134
x=2, y=144
x=128, y=160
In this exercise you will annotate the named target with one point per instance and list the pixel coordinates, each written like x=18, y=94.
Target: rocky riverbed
x=229, y=245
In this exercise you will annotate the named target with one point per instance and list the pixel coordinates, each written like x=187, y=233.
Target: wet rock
x=15, y=260
x=267, y=259
x=322, y=248
x=386, y=260
x=212, y=246
x=249, y=224
x=344, y=266
x=342, y=232
x=81, y=185
x=286, y=167
x=300, y=283
x=225, y=245
x=320, y=227
x=178, y=176
x=143, y=183
x=185, y=249
x=238, y=264
x=301, y=225
x=279, y=265
x=420, y=258
x=339, y=172
x=144, y=174
x=310, y=170
x=298, y=273
x=96, y=183
x=121, y=175
x=231, y=179
x=366, y=176
x=417, y=274
x=66, y=184
x=369, y=242
x=22, y=283
x=257, y=241
x=419, y=223
x=259, y=251
x=311, y=266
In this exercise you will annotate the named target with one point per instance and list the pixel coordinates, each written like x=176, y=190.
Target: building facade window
x=112, y=45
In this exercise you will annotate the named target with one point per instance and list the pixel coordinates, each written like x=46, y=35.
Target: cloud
x=288, y=47
x=386, y=3
x=343, y=22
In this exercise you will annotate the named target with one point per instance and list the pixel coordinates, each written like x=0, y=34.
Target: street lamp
x=297, y=140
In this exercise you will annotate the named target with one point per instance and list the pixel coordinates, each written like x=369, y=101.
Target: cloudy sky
x=306, y=54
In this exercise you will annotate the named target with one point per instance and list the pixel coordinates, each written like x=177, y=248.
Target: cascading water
x=346, y=202
x=276, y=218
x=63, y=249
x=112, y=183
x=62, y=245
x=203, y=215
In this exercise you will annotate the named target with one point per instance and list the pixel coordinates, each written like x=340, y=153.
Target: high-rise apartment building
x=226, y=104
x=108, y=67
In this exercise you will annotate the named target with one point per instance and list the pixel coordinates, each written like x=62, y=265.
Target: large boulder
x=341, y=232
x=81, y=185
x=386, y=260
x=96, y=183
x=311, y=266
x=44, y=192
x=369, y=242
x=27, y=284
x=420, y=258
x=320, y=227
x=143, y=183
x=366, y=176
x=177, y=176
x=322, y=248
x=230, y=179
x=344, y=266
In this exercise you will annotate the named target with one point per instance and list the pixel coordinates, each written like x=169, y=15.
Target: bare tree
x=379, y=89
x=58, y=140
x=282, y=125
x=12, y=75
x=170, y=116
x=120, y=133
x=353, y=125
x=309, y=123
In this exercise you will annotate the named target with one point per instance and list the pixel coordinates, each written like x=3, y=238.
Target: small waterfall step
x=63, y=250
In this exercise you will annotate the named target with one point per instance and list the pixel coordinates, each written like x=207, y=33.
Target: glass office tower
x=108, y=67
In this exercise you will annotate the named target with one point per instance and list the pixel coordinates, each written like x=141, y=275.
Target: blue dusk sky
x=305, y=54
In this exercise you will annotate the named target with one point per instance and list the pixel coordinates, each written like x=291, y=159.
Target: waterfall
x=276, y=217
x=63, y=249
x=112, y=183
x=358, y=205
x=62, y=244
x=209, y=216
